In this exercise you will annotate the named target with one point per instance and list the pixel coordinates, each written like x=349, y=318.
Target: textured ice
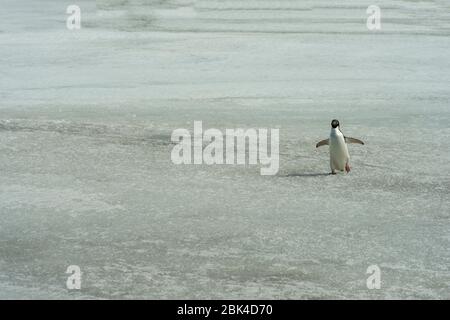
x=85, y=171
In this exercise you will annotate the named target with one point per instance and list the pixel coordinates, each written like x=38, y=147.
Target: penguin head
x=334, y=123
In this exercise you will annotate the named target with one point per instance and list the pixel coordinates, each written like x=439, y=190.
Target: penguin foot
x=347, y=168
x=333, y=172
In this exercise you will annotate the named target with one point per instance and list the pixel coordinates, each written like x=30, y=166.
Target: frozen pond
x=86, y=177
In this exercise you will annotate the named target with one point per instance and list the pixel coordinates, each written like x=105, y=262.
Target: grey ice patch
x=121, y=134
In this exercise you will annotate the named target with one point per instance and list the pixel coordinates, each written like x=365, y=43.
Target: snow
x=86, y=176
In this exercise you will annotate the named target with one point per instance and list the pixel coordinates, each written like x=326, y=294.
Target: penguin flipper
x=353, y=140
x=323, y=143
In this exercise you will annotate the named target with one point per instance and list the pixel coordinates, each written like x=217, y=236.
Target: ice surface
x=85, y=171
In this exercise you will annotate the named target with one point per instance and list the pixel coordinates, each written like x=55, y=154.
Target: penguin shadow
x=306, y=175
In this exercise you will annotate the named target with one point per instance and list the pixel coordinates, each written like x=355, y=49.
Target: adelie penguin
x=339, y=157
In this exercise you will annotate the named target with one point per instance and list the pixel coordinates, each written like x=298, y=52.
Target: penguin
x=339, y=156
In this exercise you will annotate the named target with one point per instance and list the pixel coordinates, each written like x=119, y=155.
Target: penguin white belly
x=338, y=152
